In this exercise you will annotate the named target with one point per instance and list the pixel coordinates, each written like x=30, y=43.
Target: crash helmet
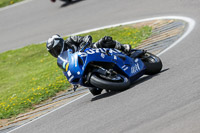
x=55, y=45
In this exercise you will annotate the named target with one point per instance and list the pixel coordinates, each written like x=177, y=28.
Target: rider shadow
x=137, y=82
x=70, y=3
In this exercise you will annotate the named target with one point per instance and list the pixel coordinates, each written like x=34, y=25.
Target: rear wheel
x=152, y=62
x=114, y=82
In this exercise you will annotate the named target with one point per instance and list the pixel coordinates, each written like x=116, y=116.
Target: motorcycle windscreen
x=63, y=61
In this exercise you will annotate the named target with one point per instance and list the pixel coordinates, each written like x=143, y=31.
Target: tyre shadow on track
x=139, y=81
x=70, y=3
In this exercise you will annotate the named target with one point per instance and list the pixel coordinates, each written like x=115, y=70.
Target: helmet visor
x=55, y=51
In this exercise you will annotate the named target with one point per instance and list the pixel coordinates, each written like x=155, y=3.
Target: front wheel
x=152, y=62
x=115, y=82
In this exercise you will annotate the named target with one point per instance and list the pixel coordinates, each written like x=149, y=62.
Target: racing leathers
x=78, y=42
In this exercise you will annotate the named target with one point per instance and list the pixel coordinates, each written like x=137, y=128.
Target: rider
x=56, y=44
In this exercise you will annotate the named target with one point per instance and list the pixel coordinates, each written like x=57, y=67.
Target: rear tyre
x=114, y=83
x=153, y=63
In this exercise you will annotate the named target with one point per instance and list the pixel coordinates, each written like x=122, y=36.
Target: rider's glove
x=87, y=39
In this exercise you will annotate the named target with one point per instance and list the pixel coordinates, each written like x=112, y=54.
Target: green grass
x=30, y=75
x=123, y=34
x=27, y=76
x=4, y=3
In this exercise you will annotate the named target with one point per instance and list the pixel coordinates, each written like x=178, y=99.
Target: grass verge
x=30, y=75
x=4, y=3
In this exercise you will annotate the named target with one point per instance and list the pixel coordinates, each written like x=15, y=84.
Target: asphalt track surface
x=165, y=103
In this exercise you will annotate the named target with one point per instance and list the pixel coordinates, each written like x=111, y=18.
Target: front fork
x=100, y=70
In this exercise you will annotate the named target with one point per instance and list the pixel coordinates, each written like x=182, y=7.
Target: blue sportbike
x=107, y=68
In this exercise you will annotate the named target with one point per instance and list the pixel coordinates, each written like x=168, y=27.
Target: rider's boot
x=95, y=91
x=126, y=48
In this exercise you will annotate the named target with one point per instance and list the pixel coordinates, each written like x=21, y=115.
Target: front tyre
x=152, y=62
x=115, y=82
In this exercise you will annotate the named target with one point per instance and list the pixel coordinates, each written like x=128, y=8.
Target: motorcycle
x=107, y=68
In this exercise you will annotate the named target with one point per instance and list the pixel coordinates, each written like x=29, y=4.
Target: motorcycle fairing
x=131, y=68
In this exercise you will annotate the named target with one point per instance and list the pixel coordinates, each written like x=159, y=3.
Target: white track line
x=191, y=24
x=14, y=5
x=190, y=21
x=49, y=112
